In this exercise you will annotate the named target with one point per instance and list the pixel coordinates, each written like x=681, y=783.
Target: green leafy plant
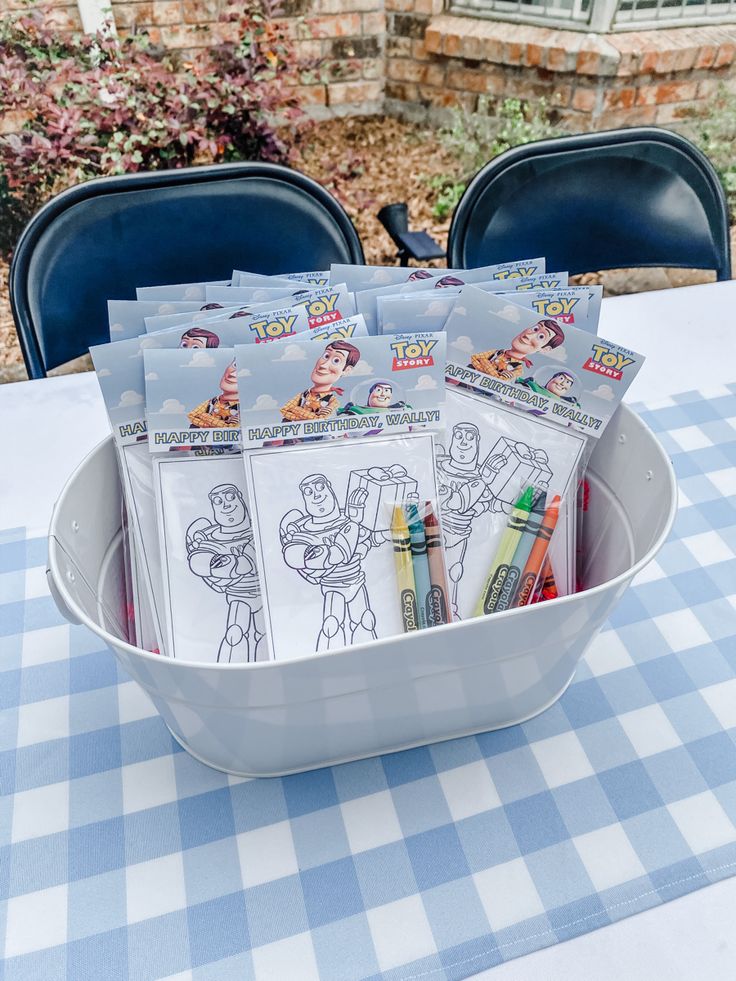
x=474, y=138
x=93, y=105
x=449, y=192
x=714, y=131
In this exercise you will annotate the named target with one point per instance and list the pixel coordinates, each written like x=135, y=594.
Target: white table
x=688, y=336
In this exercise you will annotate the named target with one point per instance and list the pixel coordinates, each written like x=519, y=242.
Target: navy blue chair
x=101, y=239
x=617, y=199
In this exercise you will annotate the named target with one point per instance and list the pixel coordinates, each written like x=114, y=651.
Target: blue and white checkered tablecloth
x=122, y=857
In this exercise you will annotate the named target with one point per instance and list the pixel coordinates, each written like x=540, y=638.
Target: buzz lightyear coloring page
x=210, y=575
x=323, y=537
x=490, y=454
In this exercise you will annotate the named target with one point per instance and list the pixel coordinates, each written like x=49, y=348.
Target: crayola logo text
x=561, y=309
x=608, y=362
x=409, y=610
x=412, y=354
x=269, y=330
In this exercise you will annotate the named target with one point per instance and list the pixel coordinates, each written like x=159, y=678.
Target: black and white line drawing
x=469, y=488
x=221, y=551
x=326, y=544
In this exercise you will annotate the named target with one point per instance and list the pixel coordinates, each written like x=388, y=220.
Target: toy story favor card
x=192, y=398
x=538, y=364
x=178, y=291
x=364, y=386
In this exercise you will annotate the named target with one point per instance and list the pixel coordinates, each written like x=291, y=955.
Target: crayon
x=505, y=554
x=547, y=578
x=539, y=552
x=419, y=561
x=404, y=571
x=438, y=607
x=510, y=589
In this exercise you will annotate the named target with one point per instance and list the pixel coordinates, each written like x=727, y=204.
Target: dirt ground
x=379, y=161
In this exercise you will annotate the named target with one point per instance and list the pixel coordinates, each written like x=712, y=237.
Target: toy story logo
x=270, y=330
x=608, y=362
x=412, y=354
x=520, y=272
x=322, y=310
x=561, y=308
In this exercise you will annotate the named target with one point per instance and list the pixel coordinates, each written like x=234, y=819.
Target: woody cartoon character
x=223, y=409
x=508, y=365
x=320, y=401
x=198, y=337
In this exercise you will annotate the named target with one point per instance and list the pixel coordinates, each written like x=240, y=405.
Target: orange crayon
x=438, y=607
x=538, y=553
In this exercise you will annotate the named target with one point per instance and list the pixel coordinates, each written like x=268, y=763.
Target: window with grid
x=602, y=16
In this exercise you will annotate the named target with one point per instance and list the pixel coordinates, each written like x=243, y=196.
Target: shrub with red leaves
x=92, y=105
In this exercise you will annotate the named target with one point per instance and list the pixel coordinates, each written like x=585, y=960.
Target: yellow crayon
x=504, y=556
x=404, y=570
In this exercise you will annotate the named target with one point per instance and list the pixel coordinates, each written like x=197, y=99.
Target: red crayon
x=438, y=607
x=546, y=587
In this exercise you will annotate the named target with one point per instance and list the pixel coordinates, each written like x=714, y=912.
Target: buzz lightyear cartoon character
x=222, y=553
x=380, y=399
x=464, y=496
x=560, y=385
x=326, y=545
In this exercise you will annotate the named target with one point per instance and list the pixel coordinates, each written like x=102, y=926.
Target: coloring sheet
x=211, y=592
x=490, y=454
x=322, y=515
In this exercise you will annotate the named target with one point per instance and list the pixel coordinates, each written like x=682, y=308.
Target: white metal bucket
x=272, y=718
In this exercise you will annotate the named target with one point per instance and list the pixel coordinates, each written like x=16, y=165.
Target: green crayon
x=512, y=582
x=419, y=561
x=504, y=556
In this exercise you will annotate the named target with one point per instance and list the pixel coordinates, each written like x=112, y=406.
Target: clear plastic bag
x=492, y=454
x=322, y=517
x=421, y=577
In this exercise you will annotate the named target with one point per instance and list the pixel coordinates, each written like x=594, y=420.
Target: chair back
x=617, y=199
x=103, y=238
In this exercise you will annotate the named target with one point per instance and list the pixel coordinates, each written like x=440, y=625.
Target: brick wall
x=436, y=61
x=347, y=34
x=413, y=59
